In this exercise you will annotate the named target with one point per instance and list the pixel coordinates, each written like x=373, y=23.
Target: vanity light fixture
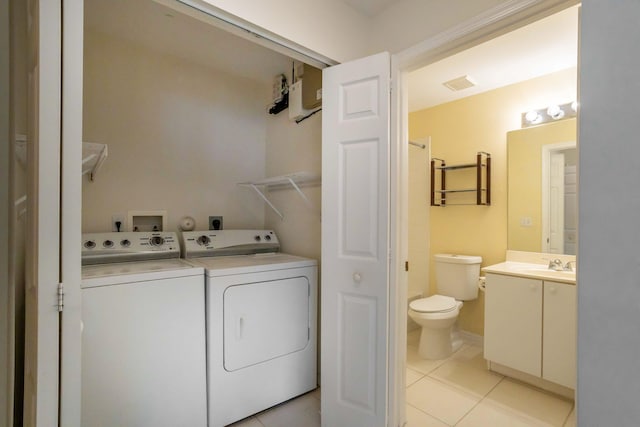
x=533, y=117
x=555, y=112
x=574, y=106
x=549, y=114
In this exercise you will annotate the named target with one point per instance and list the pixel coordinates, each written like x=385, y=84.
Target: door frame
x=547, y=151
x=494, y=22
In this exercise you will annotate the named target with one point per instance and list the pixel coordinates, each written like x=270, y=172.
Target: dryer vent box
x=311, y=87
x=305, y=95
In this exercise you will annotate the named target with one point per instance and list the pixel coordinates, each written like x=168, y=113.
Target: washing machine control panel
x=228, y=242
x=102, y=248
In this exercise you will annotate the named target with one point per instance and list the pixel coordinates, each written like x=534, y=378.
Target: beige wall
x=458, y=130
x=180, y=137
x=291, y=148
x=525, y=180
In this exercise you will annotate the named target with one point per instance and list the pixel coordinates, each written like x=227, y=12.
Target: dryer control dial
x=257, y=238
x=203, y=240
x=156, y=241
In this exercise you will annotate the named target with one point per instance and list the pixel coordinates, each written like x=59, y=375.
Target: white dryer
x=261, y=321
x=143, y=338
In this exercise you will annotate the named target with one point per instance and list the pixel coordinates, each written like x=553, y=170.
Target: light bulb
x=555, y=112
x=532, y=116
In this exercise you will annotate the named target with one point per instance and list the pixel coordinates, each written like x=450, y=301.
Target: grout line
x=426, y=413
x=479, y=401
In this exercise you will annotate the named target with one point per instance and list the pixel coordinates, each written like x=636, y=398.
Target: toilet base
x=437, y=344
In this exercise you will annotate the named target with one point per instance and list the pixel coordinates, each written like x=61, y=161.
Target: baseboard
x=533, y=380
x=471, y=338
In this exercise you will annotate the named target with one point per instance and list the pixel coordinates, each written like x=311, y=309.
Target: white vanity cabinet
x=559, y=334
x=530, y=326
x=513, y=322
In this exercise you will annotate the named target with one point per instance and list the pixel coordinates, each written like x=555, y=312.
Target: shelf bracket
x=294, y=179
x=294, y=185
x=267, y=201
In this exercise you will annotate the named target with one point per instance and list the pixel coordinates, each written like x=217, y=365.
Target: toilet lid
x=433, y=304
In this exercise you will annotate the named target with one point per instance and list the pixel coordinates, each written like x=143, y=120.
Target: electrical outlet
x=215, y=223
x=115, y=219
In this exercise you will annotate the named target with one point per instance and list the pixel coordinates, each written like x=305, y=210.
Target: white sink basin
x=551, y=273
x=534, y=271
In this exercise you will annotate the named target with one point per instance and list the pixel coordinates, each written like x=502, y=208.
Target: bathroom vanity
x=530, y=320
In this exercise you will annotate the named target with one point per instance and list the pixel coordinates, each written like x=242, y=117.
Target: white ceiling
x=541, y=48
x=159, y=28
x=369, y=7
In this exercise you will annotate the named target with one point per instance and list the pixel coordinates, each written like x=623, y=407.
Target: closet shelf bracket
x=294, y=180
x=93, y=155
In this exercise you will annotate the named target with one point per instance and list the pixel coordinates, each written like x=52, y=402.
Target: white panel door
x=355, y=266
x=41, y=380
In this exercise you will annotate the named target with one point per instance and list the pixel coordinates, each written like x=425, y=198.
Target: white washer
x=261, y=321
x=143, y=338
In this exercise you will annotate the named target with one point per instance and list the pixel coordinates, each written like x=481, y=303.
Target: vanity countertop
x=533, y=265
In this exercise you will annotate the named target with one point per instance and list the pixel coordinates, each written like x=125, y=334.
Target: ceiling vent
x=460, y=83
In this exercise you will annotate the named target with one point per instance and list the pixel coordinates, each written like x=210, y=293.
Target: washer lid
x=433, y=304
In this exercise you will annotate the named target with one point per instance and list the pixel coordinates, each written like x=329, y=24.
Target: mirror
x=541, y=182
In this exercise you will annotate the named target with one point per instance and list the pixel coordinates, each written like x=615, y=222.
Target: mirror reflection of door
x=559, y=214
x=555, y=214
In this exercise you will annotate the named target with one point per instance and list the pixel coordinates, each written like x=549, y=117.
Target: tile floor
x=458, y=391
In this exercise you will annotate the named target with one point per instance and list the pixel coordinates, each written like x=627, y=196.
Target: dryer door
x=265, y=320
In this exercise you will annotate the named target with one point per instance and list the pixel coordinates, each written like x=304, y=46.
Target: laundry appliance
x=261, y=321
x=143, y=338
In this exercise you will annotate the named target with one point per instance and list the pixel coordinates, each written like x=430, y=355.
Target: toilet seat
x=434, y=304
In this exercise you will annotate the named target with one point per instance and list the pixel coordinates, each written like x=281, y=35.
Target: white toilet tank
x=457, y=275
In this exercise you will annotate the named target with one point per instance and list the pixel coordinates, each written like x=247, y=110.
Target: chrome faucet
x=567, y=266
x=556, y=265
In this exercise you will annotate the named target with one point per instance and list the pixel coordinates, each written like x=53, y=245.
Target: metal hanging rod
x=418, y=145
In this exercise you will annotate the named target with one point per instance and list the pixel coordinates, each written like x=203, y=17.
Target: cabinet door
x=513, y=322
x=559, y=338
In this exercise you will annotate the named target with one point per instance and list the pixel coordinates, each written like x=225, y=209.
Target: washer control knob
x=156, y=241
x=203, y=240
x=107, y=243
x=267, y=238
x=125, y=243
x=257, y=238
x=89, y=244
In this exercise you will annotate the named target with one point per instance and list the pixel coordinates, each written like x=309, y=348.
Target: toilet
x=456, y=281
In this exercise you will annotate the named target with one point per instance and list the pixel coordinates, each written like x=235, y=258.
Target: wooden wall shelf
x=481, y=189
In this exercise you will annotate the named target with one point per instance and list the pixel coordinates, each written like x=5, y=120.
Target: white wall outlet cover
x=118, y=222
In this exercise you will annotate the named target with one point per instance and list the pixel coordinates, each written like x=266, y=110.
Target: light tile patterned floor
x=458, y=391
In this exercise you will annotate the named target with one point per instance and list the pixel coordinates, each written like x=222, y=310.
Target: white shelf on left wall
x=294, y=180
x=93, y=155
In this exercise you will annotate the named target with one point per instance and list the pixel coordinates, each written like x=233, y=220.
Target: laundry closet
x=186, y=127
x=182, y=107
